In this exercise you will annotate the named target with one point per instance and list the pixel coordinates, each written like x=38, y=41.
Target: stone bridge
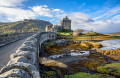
x=25, y=62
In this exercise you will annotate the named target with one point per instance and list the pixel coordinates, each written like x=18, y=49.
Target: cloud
x=79, y=20
x=104, y=20
x=58, y=10
x=42, y=11
x=83, y=4
x=106, y=13
x=11, y=3
x=8, y=13
x=83, y=21
x=116, y=18
x=15, y=14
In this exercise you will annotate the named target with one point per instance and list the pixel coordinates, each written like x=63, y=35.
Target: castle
x=65, y=24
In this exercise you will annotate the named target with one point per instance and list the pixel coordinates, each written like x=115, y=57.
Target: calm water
x=114, y=35
x=75, y=53
x=110, y=44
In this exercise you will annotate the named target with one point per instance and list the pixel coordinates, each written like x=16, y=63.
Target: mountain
x=23, y=26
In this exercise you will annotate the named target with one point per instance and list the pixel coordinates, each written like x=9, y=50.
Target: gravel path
x=6, y=50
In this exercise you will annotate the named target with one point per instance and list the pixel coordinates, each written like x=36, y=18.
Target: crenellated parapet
x=25, y=62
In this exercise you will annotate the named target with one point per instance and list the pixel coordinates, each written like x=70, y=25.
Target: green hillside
x=23, y=26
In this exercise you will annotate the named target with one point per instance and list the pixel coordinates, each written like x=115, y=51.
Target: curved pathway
x=7, y=50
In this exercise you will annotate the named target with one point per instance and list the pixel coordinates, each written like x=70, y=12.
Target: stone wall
x=9, y=38
x=25, y=62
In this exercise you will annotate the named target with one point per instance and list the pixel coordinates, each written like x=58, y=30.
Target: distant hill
x=23, y=26
x=115, y=33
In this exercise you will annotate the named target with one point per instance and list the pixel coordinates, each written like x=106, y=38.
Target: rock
x=29, y=55
x=18, y=73
x=60, y=42
x=19, y=59
x=66, y=51
x=26, y=48
x=32, y=39
x=49, y=62
x=30, y=43
x=29, y=68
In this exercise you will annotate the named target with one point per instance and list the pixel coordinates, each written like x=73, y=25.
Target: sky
x=98, y=15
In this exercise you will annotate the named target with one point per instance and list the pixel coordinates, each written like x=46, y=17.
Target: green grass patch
x=66, y=33
x=88, y=75
x=112, y=69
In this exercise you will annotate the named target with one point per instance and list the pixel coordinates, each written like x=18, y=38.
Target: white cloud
x=106, y=13
x=116, y=18
x=15, y=14
x=83, y=21
x=42, y=11
x=105, y=20
x=58, y=10
x=11, y=3
x=45, y=6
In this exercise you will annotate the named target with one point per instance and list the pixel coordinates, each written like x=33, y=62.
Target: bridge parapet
x=25, y=62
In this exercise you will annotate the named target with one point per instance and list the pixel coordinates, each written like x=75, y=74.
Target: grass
x=87, y=75
x=82, y=75
x=69, y=35
x=48, y=74
x=66, y=33
x=112, y=69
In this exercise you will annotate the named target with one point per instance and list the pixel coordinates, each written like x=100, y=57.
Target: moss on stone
x=87, y=75
x=112, y=69
x=48, y=74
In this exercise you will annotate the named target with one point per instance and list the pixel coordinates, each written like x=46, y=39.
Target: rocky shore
x=70, y=57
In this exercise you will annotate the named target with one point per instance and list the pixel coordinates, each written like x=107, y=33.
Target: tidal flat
x=69, y=58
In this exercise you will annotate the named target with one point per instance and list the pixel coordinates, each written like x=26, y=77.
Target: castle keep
x=65, y=24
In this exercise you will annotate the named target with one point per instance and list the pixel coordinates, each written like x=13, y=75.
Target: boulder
x=19, y=59
x=18, y=73
x=60, y=42
x=29, y=55
x=29, y=68
x=26, y=48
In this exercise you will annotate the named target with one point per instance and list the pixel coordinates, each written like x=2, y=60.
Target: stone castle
x=65, y=24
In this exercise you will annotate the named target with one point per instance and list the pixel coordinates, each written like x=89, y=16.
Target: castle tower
x=66, y=23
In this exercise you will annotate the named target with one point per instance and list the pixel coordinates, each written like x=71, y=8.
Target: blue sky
x=99, y=15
